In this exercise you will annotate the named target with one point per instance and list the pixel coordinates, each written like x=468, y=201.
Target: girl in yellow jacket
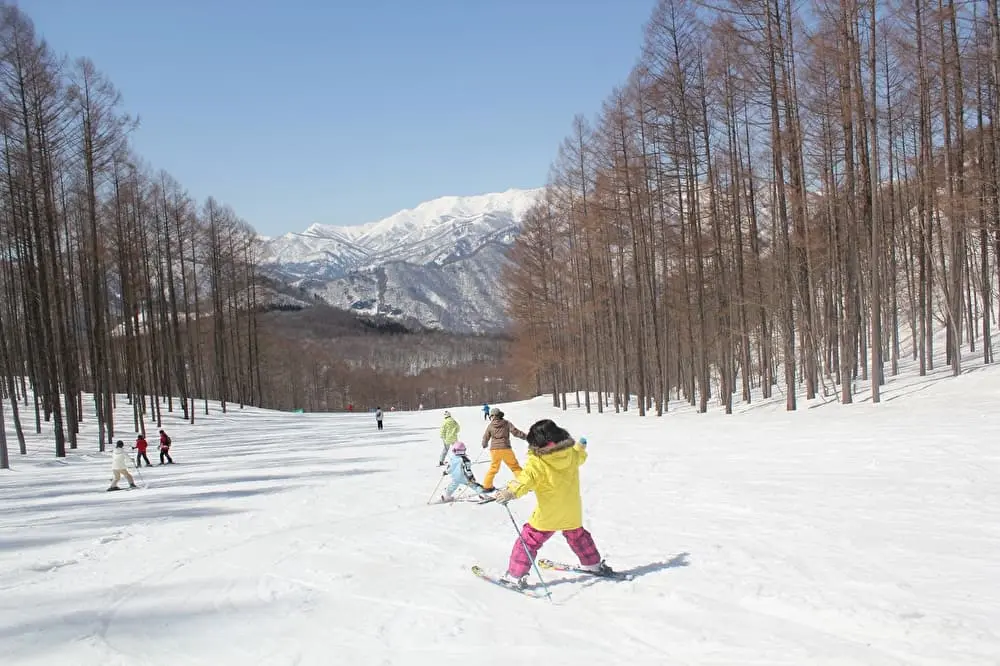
x=553, y=473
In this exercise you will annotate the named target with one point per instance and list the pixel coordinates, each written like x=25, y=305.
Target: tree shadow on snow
x=72, y=617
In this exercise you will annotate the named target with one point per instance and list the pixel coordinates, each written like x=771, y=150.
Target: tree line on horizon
x=775, y=192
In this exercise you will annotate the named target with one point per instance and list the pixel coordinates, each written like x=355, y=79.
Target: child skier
x=449, y=435
x=553, y=472
x=460, y=470
x=141, y=445
x=165, y=448
x=119, y=466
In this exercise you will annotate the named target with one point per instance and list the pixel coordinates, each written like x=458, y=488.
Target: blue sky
x=345, y=111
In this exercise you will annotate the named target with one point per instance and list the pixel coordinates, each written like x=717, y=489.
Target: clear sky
x=345, y=111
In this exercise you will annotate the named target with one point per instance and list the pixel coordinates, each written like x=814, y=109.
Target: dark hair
x=542, y=432
x=119, y=443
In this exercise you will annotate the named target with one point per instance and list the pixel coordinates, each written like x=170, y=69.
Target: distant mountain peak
x=449, y=281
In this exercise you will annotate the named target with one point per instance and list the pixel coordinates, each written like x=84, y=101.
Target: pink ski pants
x=579, y=540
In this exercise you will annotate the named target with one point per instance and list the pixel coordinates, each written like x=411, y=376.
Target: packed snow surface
x=834, y=535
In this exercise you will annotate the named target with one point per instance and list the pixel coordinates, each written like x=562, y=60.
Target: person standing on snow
x=165, y=448
x=449, y=435
x=497, y=437
x=460, y=470
x=486, y=412
x=553, y=473
x=119, y=466
x=378, y=417
x=141, y=445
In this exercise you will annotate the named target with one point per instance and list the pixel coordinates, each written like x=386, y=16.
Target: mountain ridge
x=436, y=264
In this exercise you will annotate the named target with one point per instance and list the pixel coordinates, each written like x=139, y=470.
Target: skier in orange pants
x=497, y=437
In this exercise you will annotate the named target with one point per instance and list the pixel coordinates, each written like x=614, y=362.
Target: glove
x=504, y=496
x=485, y=445
x=582, y=442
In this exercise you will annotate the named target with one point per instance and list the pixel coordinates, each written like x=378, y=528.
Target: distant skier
x=119, y=466
x=486, y=412
x=141, y=445
x=165, y=448
x=378, y=417
x=449, y=435
x=553, y=473
x=460, y=470
x=497, y=437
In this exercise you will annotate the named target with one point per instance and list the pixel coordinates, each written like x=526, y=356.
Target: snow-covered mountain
x=437, y=264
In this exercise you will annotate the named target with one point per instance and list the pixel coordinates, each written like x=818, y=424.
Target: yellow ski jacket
x=553, y=473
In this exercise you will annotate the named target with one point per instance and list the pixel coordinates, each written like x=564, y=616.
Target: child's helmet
x=458, y=448
x=447, y=413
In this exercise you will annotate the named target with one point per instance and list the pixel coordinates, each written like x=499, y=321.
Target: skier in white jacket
x=119, y=466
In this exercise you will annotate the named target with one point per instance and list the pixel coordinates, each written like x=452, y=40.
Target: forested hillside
x=780, y=194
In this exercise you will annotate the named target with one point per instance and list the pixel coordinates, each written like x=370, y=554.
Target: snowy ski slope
x=835, y=535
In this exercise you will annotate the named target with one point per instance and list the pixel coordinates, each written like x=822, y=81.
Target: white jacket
x=119, y=459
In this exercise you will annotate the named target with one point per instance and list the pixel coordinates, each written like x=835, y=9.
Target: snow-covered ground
x=835, y=535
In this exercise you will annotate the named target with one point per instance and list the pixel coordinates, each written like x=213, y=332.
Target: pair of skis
x=472, y=499
x=551, y=566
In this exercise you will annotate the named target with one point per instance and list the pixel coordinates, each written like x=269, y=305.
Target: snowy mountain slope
x=459, y=296
x=452, y=248
x=833, y=535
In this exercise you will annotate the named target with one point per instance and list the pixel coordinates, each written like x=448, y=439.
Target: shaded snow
x=834, y=535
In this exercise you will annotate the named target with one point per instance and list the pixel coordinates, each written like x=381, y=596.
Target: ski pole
x=436, y=489
x=527, y=551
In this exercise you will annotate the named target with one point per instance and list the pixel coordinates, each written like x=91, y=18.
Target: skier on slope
x=165, y=448
x=497, y=437
x=449, y=435
x=119, y=466
x=141, y=445
x=378, y=417
x=460, y=470
x=486, y=412
x=553, y=473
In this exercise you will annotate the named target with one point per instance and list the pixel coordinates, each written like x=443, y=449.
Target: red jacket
x=141, y=444
x=164, y=441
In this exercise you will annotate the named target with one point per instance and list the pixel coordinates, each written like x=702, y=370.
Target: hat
x=119, y=444
x=458, y=448
x=495, y=412
x=447, y=413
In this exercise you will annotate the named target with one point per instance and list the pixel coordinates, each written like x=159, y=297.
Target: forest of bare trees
x=117, y=287
x=781, y=196
x=114, y=282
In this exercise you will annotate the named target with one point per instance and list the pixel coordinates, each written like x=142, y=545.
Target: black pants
x=140, y=457
x=379, y=425
x=165, y=454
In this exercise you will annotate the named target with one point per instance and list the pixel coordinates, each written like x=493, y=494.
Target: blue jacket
x=460, y=470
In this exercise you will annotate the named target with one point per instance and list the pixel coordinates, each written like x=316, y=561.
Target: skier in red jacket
x=141, y=445
x=165, y=448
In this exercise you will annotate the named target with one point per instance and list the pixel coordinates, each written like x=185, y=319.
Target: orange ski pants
x=497, y=456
